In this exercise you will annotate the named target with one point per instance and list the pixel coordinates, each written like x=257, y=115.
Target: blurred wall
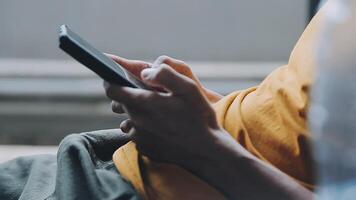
x=233, y=30
x=44, y=97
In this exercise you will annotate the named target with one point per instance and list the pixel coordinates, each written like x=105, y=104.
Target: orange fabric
x=269, y=120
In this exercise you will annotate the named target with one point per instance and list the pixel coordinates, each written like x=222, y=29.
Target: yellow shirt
x=269, y=120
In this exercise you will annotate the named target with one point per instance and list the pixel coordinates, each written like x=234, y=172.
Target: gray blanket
x=82, y=169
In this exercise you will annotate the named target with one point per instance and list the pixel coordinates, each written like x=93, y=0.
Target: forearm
x=239, y=175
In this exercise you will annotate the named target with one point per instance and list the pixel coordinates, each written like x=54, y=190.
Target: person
x=187, y=142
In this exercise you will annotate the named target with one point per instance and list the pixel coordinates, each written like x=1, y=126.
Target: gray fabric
x=82, y=169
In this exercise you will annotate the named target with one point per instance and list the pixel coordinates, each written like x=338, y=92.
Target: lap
x=82, y=169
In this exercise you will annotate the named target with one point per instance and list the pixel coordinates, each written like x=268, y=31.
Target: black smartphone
x=95, y=60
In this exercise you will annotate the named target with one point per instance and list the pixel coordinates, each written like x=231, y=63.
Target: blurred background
x=45, y=95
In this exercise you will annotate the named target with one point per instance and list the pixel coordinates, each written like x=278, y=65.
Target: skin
x=179, y=126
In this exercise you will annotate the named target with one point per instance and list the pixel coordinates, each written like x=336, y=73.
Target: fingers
x=126, y=125
x=178, y=65
x=181, y=67
x=145, y=145
x=133, y=66
x=171, y=74
x=117, y=107
x=164, y=76
x=128, y=96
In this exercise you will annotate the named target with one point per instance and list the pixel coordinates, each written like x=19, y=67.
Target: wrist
x=219, y=150
x=218, y=164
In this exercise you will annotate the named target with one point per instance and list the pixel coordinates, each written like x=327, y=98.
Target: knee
x=72, y=143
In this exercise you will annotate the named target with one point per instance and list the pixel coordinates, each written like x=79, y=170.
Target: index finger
x=133, y=66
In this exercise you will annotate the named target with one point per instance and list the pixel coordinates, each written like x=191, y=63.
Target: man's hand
x=136, y=66
x=173, y=126
x=180, y=127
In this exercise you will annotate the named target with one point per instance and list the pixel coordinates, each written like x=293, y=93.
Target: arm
x=191, y=137
x=240, y=175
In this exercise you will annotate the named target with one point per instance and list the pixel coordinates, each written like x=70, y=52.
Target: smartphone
x=95, y=60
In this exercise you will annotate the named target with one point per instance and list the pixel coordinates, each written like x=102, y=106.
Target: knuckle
x=183, y=64
x=186, y=66
x=187, y=70
x=164, y=69
x=163, y=58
